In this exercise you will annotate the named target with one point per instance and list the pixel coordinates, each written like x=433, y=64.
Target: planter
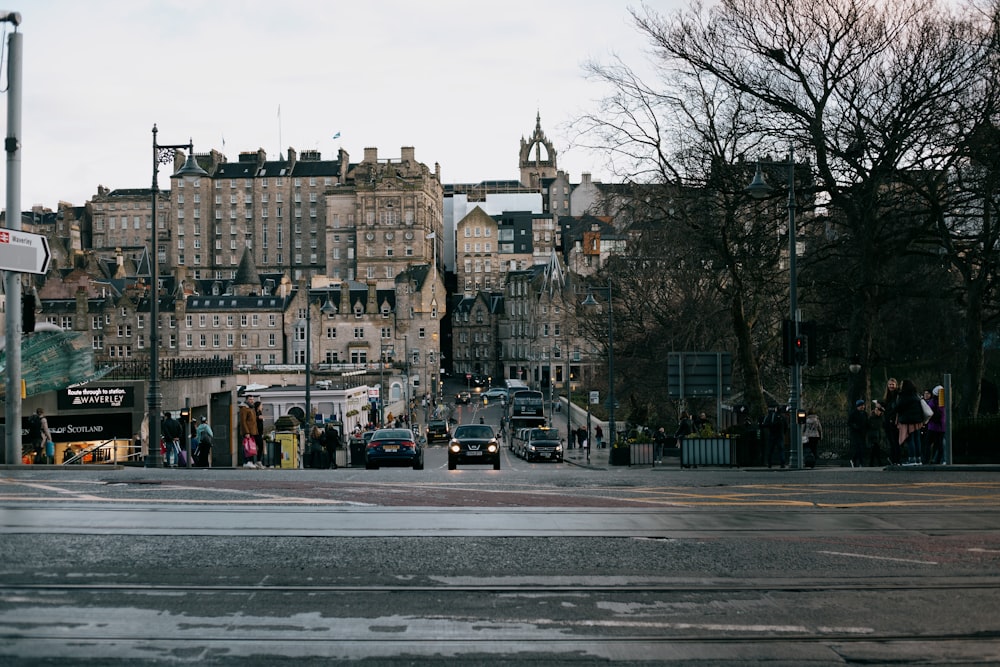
x=707, y=452
x=620, y=456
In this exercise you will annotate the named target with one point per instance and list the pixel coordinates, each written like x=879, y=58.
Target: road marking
x=895, y=560
x=984, y=551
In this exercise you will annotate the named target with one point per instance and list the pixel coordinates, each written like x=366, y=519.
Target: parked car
x=541, y=443
x=437, y=429
x=474, y=443
x=394, y=447
x=463, y=397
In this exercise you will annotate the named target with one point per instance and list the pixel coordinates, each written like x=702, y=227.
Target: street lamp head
x=191, y=168
x=590, y=301
x=758, y=188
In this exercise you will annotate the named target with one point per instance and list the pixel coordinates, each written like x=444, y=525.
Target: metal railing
x=106, y=452
x=137, y=369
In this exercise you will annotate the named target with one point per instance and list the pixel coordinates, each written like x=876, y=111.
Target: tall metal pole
x=795, y=429
x=611, y=368
x=162, y=154
x=308, y=364
x=153, y=397
x=12, y=279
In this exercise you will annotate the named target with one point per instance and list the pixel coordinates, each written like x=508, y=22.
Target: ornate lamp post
x=759, y=189
x=162, y=154
x=589, y=302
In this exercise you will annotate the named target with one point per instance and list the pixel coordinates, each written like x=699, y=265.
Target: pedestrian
x=875, y=432
x=599, y=436
x=702, y=423
x=172, y=432
x=258, y=410
x=659, y=442
x=684, y=427
x=857, y=428
x=248, y=429
x=889, y=421
x=204, y=436
x=908, y=413
x=773, y=428
x=38, y=435
x=581, y=436
x=812, y=432
x=332, y=444
x=936, y=427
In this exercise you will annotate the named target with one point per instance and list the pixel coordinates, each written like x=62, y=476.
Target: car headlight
x=530, y=448
x=558, y=448
x=492, y=448
x=455, y=447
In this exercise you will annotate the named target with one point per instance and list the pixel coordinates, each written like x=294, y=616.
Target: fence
x=170, y=369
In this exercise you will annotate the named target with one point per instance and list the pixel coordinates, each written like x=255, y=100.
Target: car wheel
x=371, y=466
x=419, y=465
x=451, y=464
x=496, y=464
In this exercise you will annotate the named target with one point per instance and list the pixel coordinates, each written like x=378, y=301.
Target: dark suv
x=540, y=443
x=474, y=443
x=437, y=429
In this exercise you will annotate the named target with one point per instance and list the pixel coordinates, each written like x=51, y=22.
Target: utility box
x=288, y=446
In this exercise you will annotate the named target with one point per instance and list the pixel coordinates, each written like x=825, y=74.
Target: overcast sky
x=459, y=80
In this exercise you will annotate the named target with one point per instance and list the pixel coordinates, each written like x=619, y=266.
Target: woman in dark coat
x=909, y=417
x=889, y=423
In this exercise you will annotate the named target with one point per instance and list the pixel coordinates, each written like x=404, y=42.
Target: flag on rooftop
x=337, y=136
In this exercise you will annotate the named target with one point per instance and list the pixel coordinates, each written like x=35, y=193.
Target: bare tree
x=856, y=86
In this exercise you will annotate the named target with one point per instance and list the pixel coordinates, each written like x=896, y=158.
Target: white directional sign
x=24, y=252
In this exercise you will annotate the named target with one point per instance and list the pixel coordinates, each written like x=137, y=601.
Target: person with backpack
x=39, y=435
x=172, y=434
x=203, y=436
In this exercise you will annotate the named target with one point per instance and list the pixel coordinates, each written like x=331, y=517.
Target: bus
x=514, y=385
x=525, y=409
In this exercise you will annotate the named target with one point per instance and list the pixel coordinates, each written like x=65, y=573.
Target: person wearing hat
x=203, y=436
x=857, y=426
x=935, y=426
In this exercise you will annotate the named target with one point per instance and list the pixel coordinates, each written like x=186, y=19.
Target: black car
x=437, y=429
x=463, y=397
x=394, y=447
x=474, y=443
x=539, y=444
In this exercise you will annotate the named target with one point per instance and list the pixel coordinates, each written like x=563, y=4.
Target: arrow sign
x=24, y=252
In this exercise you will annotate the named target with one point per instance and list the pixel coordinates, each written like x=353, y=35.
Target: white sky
x=459, y=80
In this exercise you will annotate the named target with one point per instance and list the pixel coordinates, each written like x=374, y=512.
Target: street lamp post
x=590, y=301
x=759, y=189
x=162, y=154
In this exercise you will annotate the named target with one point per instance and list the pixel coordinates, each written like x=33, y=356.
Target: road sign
x=595, y=398
x=699, y=374
x=24, y=252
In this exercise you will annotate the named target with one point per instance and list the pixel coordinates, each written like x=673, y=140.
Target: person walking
x=39, y=435
x=203, y=438
x=599, y=436
x=908, y=413
x=248, y=427
x=773, y=427
x=684, y=427
x=659, y=442
x=812, y=432
x=875, y=430
x=936, y=426
x=889, y=421
x=857, y=427
x=172, y=434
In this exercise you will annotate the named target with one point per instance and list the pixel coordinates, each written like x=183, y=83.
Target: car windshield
x=474, y=431
x=542, y=434
x=393, y=434
x=435, y=424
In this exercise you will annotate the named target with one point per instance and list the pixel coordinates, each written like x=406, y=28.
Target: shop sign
x=82, y=398
x=85, y=428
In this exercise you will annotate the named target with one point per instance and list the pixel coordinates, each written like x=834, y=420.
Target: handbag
x=928, y=412
x=249, y=446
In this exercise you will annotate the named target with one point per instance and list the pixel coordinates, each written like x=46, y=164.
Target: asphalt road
x=570, y=563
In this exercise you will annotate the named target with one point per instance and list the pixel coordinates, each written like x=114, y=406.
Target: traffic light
x=799, y=348
x=800, y=345
x=27, y=313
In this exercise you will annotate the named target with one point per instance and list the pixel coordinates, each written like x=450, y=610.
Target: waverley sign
x=80, y=398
